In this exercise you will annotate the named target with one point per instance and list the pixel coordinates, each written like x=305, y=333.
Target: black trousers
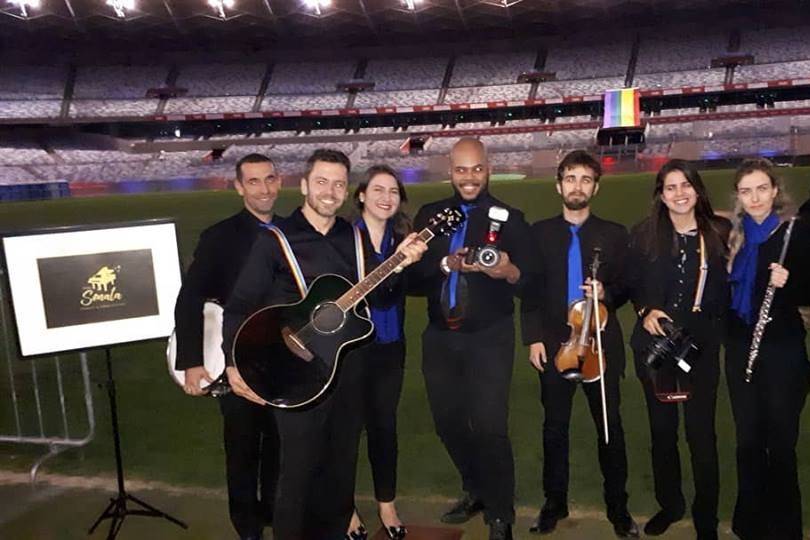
x=383, y=387
x=699, y=420
x=557, y=396
x=468, y=376
x=766, y=415
x=251, y=463
x=315, y=495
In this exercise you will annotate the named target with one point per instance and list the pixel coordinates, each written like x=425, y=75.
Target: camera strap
x=703, y=272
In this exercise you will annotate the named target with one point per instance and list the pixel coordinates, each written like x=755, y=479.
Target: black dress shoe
x=624, y=526
x=659, y=523
x=463, y=510
x=552, y=512
x=707, y=535
x=259, y=536
x=500, y=530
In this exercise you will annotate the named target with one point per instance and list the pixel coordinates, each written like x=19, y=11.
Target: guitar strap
x=702, y=274
x=359, y=254
x=292, y=261
x=295, y=268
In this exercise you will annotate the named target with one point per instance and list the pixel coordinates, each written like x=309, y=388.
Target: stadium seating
x=303, y=102
x=681, y=49
x=406, y=74
x=772, y=72
x=605, y=56
x=398, y=98
x=776, y=44
x=309, y=77
x=477, y=94
x=491, y=69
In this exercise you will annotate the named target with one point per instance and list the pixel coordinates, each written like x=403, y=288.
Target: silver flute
x=765, y=310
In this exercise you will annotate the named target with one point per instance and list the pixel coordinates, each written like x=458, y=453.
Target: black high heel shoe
x=360, y=533
x=394, y=532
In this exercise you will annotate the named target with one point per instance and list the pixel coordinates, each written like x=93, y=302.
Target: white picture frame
x=77, y=288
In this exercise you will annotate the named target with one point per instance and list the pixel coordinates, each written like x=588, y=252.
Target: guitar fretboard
x=377, y=276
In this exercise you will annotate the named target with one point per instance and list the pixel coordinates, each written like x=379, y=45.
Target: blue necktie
x=575, y=279
x=456, y=243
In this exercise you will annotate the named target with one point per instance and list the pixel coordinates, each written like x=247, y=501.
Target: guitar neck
x=377, y=276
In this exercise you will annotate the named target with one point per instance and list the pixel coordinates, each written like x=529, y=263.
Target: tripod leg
x=155, y=512
x=104, y=515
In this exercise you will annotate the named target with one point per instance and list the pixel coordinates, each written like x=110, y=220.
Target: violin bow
x=595, y=299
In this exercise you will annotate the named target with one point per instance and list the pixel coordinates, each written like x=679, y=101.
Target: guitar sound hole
x=328, y=318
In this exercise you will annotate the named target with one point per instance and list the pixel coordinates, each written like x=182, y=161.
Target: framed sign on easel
x=90, y=287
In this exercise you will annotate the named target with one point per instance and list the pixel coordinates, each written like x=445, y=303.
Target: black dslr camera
x=488, y=255
x=677, y=347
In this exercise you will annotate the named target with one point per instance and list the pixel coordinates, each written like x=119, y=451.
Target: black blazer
x=648, y=285
x=218, y=259
x=544, y=310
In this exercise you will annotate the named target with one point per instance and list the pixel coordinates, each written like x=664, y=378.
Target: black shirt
x=218, y=258
x=489, y=300
x=266, y=278
x=544, y=316
x=683, y=278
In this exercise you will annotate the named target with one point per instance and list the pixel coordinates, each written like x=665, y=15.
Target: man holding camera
x=563, y=249
x=468, y=345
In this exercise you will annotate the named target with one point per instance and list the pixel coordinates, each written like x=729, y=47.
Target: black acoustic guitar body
x=289, y=354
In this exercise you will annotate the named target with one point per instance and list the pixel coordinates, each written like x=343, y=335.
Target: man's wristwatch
x=445, y=266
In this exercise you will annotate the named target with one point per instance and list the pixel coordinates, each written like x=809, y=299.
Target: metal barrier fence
x=43, y=401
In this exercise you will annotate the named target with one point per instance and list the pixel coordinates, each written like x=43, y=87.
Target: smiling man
x=468, y=345
x=315, y=495
x=249, y=431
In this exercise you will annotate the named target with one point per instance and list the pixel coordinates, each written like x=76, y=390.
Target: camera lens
x=488, y=257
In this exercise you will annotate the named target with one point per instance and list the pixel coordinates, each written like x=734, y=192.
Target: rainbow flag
x=622, y=108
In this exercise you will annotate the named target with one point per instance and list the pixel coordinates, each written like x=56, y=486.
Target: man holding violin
x=564, y=248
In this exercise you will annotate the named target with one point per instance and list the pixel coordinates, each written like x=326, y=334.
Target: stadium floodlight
x=411, y=4
x=317, y=5
x=121, y=7
x=25, y=4
x=502, y=3
x=220, y=5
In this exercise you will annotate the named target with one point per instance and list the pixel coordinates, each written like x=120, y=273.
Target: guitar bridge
x=295, y=346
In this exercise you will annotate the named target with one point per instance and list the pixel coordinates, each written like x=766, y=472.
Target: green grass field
x=170, y=437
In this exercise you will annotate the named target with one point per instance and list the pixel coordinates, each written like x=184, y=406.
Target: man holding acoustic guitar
x=250, y=435
x=288, y=351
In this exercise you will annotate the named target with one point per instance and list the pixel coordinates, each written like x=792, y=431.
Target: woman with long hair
x=767, y=410
x=379, y=198
x=679, y=274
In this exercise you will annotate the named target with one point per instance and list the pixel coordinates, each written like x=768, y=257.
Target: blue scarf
x=386, y=320
x=744, y=269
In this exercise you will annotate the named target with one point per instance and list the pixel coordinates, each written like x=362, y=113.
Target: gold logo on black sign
x=100, y=290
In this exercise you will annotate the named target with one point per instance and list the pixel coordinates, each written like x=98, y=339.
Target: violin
x=578, y=358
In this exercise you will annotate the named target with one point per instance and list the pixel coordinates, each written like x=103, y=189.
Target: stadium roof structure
x=265, y=23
